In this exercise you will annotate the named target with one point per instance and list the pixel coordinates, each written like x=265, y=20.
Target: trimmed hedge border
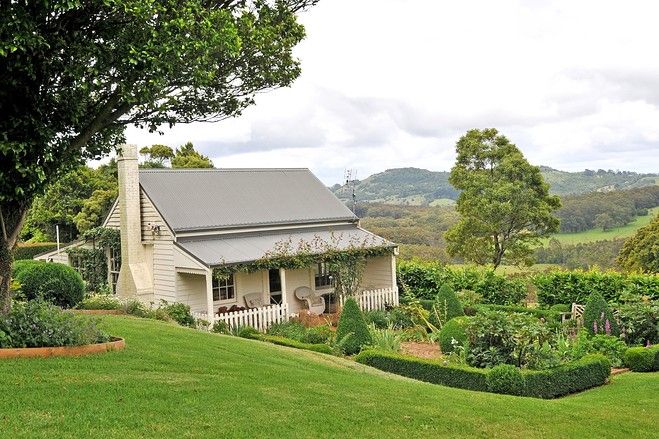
x=547, y=314
x=640, y=359
x=590, y=371
x=283, y=341
x=116, y=344
x=25, y=251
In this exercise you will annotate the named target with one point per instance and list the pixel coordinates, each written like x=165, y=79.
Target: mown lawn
x=599, y=235
x=179, y=383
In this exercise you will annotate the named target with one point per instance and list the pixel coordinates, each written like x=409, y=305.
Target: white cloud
x=394, y=83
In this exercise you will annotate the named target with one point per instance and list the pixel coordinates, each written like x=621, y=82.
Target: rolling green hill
x=420, y=187
x=174, y=382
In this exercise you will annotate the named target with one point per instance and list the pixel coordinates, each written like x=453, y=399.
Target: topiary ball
x=352, y=332
x=505, y=378
x=598, y=318
x=55, y=283
x=454, y=329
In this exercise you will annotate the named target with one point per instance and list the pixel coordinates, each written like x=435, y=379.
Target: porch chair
x=253, y=300
x=315, y=304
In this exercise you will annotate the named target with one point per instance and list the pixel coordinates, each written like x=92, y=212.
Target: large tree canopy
x=505, y=205
x=75, y=73
x=641, y=251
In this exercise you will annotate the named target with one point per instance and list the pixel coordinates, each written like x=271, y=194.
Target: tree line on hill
x=606, y=210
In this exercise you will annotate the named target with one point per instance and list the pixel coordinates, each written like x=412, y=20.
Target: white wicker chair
x=315, y=304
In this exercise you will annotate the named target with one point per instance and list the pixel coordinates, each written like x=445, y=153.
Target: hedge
x=576, y=286
x=30, y=250
x=283, y=341
x=351, y=331
x=430, y=371
x=55, y=283
x=590, y=371
x=640, y=359
x=546, y=314
x=454, y=329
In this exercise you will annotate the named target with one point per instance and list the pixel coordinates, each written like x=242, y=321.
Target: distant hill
x=420, y=187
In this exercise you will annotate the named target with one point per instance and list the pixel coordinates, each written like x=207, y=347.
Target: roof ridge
x=190, y=170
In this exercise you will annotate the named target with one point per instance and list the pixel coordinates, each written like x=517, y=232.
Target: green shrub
x=245, y=332
x=39, y=324
x=352, y=325
x=576, y=286
x=446, y=306
x=453, y=334
x=590, y=371
x=611, y=347
x=640, y=359
x=283, y=341
x=386, y=339
x=430, y=371
x=317, y=335
x=55, y=283
x=400, y=319
x=179, y=312
x=291, y=329
x=639, y=319
x=561, y=307
x=598, y=318
x=377, y=317
x=220, y=327
x=27, y=251
x=505, y=378
x=101, y=301
x=545, y=314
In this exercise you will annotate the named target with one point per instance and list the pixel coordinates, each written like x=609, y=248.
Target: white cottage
x=177, y=226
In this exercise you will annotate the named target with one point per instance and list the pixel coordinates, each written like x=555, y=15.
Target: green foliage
x=283, y=341
x=549, y=315
x=560, y=307
x=292, y=329
x=378, y=318
x=385, y=339
x=583, y=255
x=30, y=250
x=187, y=157
x=505, y=378
x=496, y=337
x=39, y=324
x=352, y=328
x=179, y=312
x=446, y=306
x=156, y=155
x=641, y=251
x=55, y=283
x=639, y=319
x=642, y=359
x=424, y=279
x=317, y=335
x=245, y=332
x=590, y=371
x=598, y=318
x=576, y=286
x=220, y=327
x=453, y=334
x=92, y=262
x=504, y=206
x=430, y=371
x=101, y=301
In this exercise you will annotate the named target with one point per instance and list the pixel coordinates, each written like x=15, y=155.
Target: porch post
x=282, y=277
x=209, y=295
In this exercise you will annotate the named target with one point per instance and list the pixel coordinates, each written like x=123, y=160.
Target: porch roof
x=249, y=247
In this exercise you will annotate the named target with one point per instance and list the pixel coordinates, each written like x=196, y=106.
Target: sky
x=395, y=83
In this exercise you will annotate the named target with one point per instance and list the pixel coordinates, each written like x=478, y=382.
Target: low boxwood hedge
x=283, y=341
x=589, y=371
x=640, y=359
x=546, y=314
x=25, y=251
x=430, y=371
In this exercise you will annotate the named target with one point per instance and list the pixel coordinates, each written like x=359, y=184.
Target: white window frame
x=228, y=284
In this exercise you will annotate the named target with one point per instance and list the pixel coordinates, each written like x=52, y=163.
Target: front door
x=275, y=286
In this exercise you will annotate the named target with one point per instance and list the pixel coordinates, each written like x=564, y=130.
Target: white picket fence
x=378, y=299
x=259, y=318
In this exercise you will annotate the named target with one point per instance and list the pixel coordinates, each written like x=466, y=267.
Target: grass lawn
x=599, y=235
x=179, y=383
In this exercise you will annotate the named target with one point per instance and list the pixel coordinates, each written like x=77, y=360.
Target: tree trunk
x=12, y=218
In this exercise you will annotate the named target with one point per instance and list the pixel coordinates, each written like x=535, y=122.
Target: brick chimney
x=134, y=276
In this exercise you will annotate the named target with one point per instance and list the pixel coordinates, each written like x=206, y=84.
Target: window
x=224, y=289
x=323, y=278
x=274, y=280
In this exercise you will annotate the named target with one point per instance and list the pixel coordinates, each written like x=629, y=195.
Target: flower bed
x=590, y=371
x=115, y=344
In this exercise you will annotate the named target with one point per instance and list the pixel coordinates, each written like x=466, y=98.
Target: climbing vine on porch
x=345, y=262
x=92, y=263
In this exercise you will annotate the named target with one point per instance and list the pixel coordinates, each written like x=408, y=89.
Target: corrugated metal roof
x=224, y=198
x=250, y=247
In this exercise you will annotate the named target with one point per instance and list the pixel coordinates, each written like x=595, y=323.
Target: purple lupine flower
x=607, y=327
x=595, y=326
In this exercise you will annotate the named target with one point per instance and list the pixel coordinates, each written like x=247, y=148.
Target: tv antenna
x=350, y=176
